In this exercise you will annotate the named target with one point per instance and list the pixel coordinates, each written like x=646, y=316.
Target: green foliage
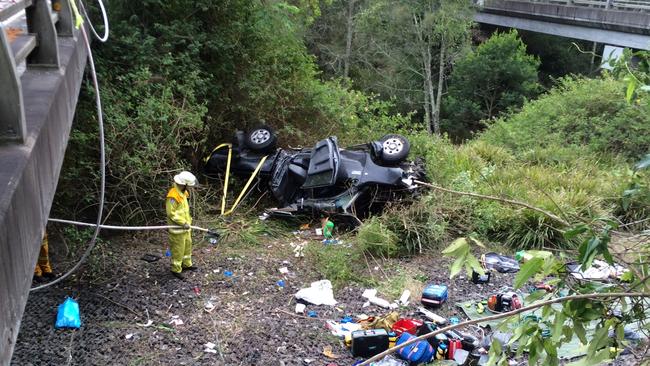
x=579, y=115
x=498, y=76
x=337, y=263
x=175, y=83
x=377, y=239
x=76, y=241
x=559, y=56
x=460, y=251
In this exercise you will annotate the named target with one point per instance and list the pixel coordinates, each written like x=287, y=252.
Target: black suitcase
x=367, y=343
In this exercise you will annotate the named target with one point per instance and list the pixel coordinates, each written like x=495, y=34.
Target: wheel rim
x=260, y=136
x=393, y=146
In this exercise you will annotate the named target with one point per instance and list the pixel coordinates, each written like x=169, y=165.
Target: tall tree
x=498, y=76
x=409, y=45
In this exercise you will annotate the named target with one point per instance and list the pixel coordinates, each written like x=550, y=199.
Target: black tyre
x=394, y=148
x=261, y=138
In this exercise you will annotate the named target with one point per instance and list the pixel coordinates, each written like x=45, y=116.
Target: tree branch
x=504, y=315
x=499, y=199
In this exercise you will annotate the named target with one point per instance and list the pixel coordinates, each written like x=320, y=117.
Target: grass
x=572, y=183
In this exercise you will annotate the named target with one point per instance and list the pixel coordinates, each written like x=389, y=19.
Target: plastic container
x=410, y=326
x=434, y=295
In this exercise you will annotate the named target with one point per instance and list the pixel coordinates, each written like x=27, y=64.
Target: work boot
x=190, y=268
x=38, y=279
x=179, y=275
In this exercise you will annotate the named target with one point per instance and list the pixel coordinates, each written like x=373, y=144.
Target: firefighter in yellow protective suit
x=178, y=213
x=43, y=268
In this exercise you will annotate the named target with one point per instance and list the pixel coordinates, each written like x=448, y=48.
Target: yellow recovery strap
x=225, y=184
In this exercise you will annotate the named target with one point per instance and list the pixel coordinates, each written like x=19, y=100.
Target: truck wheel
x=261, y=139
x=394, y=148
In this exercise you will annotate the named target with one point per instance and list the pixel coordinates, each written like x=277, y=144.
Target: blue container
x=434, y=295
x=416, y=353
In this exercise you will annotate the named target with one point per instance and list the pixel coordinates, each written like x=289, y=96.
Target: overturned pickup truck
x=326, y=179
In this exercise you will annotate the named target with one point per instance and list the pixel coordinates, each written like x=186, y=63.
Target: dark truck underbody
x=325, y=179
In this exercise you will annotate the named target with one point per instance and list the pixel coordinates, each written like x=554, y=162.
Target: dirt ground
x=129, y=307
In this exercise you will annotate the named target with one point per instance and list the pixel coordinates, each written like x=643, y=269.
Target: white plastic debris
x=209, y=306
x=599, y=270
x=371, y=295
x=404, y=299
x=342, y=329
x=432, y=316
x=300, y=308
x=129, y=336
x=176, y=320
x=147, y=324
x=320, y=293
x=209, y=347
x=283, y=270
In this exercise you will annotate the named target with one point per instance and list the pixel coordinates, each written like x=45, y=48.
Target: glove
x=186, y=226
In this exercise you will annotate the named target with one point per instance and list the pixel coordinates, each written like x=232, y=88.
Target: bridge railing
x=28, y=33
x=627, y=5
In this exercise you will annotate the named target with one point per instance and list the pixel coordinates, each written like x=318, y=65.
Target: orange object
x=56, y=6
x=13, y=33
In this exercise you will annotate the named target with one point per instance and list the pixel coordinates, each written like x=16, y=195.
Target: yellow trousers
x=181, y=248
x=43, y=264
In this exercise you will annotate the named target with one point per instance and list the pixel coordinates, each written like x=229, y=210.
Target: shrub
x=588, y=113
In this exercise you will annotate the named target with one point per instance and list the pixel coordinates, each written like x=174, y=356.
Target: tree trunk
x=429, y=89
x=441, y=77
x=427, y=114
x=348, y=38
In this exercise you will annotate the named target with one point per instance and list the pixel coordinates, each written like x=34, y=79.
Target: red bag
x=407, y=326
x=454, y=345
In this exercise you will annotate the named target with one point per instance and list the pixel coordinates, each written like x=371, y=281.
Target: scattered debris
x=176, y=320
x=209, y=306
x=147, y=324
x=283, y=270
x=209, y=347
x=371, y=295
x=150, y=258
x=319, y=293
x=68, y=315
x=300, y=308
x=500, y=263
x=434, y=295
x=599, y=270
x=327, y=351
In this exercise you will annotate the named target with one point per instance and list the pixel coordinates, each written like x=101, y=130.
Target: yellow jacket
x=178, y=209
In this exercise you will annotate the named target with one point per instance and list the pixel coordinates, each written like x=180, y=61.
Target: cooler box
x=406, y=325
x=434, y=295
x=367, y=343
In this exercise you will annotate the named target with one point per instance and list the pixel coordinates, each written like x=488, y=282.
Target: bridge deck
x=610, y=22
x=29, y=171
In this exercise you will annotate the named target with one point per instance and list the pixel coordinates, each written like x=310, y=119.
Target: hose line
x=104, y=38
x=102, y=165
x=128, y=228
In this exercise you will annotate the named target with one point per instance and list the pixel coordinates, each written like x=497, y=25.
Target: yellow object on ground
x=43, y=265
x=177, y=207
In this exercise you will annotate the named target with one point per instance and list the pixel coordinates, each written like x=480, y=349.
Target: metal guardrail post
x=12, y=108
x=39, y=21
x=65, y=25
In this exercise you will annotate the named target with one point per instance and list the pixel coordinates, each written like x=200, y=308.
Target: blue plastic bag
x=68, y=315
